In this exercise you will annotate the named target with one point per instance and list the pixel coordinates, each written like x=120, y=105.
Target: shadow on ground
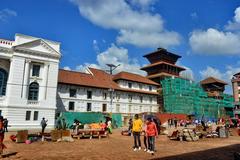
x=223, y=153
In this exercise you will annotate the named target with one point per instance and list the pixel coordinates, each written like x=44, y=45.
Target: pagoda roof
x=162, y=74
x=160, y=63
x=162, y=51
x=211, y=80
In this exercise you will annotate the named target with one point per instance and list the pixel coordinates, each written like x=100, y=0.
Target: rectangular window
x=71, y=106
x=150, y=99
x=150, y=88
x=130, y=98
x=36, y=70
x=118, y=97
x=28, y=115
x=238, y=84
x=89, y=94
x=118, y=108
x=130, y=108
x=0, y=112
x=73, y=93
x=140, y=109
x=129, y=85
x=140, y=86
x=89, y=107
x=35, y=115
x=141, y=99
x=104, y=96
x=104, y=107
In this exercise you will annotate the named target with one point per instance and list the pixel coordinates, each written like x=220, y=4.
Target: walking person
x=5, y=124
x=169, y=123
x=2, y=146
x=109, y=126
x=130, y=125
x=44, y=125
x=175, y=122
x=152, y=132
x=64, y=124
x=137, y=128
x=145, y=138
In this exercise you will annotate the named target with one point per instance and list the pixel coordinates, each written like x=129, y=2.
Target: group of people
x=107, y=126
x=150, y=131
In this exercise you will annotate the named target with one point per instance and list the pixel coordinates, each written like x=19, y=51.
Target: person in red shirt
x=151, y=132
x=2, y=146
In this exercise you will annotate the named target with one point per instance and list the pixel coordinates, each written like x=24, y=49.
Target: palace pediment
x=38, y=46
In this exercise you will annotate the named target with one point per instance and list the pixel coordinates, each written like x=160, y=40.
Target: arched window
x=33, y=91
x=3, y=82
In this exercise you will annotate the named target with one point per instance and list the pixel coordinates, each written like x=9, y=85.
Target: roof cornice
x=32, y=52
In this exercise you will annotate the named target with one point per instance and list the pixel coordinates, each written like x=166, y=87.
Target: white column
x=9, y=81
x=26, y=78
x=44, y=82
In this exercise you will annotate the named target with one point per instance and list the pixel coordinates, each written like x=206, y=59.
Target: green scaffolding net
x=188, y=97
x=91, y=117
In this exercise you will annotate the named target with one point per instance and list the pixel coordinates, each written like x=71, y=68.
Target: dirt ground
x=119, y=147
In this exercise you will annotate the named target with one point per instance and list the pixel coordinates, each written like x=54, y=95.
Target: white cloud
x=114, y=55
x=7, y=13
x=95, y=46
x=122, y=16
x=188, y=73
x=235, y=23
x=213, y=41
x=143, y=4
x=151, y=39
x=67, y=68
x=211, y=72
x=194, y=15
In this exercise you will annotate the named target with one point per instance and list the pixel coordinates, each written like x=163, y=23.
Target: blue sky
x=206, y=33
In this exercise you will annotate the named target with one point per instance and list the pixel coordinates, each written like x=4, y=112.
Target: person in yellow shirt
x=137, y=128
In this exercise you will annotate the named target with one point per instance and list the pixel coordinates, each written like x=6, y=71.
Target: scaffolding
x=188, y=97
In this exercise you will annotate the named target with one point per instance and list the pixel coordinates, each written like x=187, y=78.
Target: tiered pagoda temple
x=163, y=64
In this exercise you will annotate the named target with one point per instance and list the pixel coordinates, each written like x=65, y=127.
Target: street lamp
x=112, y=67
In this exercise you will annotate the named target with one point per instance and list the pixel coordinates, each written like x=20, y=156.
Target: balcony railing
x=32, y=102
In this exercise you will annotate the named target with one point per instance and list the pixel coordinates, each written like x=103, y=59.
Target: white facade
x=31, y=67
x=134, y=98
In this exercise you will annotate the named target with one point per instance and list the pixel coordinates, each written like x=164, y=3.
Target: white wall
x=97, y=100
x=15, y=104
x=135, y=85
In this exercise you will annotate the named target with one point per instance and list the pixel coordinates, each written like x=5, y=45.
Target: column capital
x=28, y=60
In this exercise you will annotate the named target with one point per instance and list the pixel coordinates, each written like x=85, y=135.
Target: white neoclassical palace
x=28, y=80
x=33, y=87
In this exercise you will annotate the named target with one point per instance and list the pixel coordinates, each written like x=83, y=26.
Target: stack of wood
x=61, y=135
x=189, y=135
x=22, y=136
